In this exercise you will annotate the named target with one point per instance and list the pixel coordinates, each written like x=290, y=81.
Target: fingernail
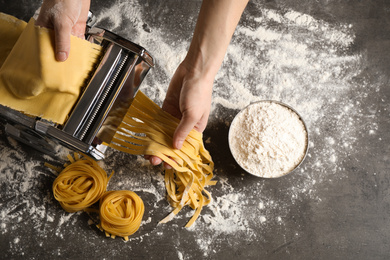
x=167, y=166
x=61, y=56
x=179, y=144
x=156, y=161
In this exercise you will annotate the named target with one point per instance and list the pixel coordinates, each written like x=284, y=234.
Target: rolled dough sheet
x=33, y=82
x=10, y=28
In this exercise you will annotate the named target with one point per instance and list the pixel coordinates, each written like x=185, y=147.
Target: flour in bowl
x=268, y=139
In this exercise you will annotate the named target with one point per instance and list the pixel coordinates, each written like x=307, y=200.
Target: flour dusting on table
x=286, y=56
x=298, y=60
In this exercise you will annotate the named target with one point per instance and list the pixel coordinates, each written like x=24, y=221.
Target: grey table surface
x=327, y=59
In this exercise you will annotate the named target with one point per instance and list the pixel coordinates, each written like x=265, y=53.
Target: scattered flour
x=227, y=214
x=287, y=56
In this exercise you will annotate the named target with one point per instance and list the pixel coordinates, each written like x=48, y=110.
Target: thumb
x=62, y=33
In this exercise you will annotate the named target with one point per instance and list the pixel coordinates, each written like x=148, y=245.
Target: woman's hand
x=189, y=99
x=189, y=93
x=65, y=17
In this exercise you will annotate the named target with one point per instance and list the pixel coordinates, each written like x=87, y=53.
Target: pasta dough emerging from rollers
x=33, y=82
x=80, y=184
x=147, y=129
x=121, y=213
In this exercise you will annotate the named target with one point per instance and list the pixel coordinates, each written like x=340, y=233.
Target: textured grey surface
x=327, y=59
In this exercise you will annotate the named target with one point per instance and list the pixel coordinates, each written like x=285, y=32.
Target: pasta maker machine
x=101, y=107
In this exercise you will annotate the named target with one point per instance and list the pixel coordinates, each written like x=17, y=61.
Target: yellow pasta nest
x=83, y=182
x=80, y=184
x=147, y=129
x=121, y=213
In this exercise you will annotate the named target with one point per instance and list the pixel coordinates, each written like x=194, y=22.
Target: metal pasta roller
x=100, y=108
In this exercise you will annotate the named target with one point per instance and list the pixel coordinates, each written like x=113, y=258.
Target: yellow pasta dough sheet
x=10, y=28
x=33, y=82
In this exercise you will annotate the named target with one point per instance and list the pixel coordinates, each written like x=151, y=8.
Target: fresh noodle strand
x=147, y=129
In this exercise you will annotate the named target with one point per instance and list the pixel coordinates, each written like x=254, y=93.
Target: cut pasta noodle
x=80, y=184
x=120, y=213
x=147, y=129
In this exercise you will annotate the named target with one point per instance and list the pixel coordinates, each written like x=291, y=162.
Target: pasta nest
x=120, y=213
x=80, y=184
